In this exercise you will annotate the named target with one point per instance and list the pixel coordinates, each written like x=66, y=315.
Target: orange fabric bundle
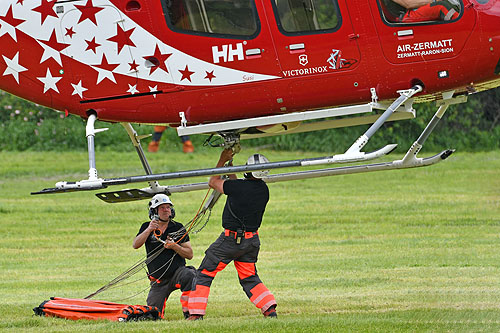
x=76, y=309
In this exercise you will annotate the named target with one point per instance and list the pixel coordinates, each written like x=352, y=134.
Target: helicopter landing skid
x=231, y=140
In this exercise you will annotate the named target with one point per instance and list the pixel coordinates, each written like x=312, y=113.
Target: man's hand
x=226, y=155
x=170, y=244
x=182, y=249
x=153, y=225
x=140, y=239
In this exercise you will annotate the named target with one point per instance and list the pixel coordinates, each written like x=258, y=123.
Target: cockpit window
x=234, y=18
x=302, y=16
x=404, y=11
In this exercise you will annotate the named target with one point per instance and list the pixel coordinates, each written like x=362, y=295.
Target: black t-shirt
x=160, y=268
x=248, y=199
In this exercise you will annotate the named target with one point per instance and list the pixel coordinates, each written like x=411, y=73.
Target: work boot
x=188, y=147
x=271, y=312
x=153, y=146
x=195, y=317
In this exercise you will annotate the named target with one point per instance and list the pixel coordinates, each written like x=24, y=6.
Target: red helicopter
x=243, y=69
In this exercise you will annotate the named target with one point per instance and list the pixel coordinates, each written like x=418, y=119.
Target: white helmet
x=258, y=159
x=159, y=199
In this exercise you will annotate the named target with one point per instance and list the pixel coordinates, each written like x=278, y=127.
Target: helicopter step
x=125, y=195
x=264, y=122
x=295, y=122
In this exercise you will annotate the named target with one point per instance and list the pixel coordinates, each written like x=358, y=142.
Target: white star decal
x=79, y=89
x=49, y=82
x=153, y=89
x=13, y=67
x=6, y=28
x=133, y=89
x=104, y=74
x=49, y=52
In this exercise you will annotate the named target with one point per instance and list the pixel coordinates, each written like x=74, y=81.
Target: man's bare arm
x=216, y=182
x=412, y=4
x=183, y=249
x=142, y=237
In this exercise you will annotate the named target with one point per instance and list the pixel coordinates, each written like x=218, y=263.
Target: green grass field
x=412, y=250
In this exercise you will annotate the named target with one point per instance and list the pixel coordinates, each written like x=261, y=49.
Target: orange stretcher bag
x=76, y=309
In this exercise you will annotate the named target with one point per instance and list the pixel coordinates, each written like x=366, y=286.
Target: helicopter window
x=296, y=16
x=237, y=17
x=403, y=11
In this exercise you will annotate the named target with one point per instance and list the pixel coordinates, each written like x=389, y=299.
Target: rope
x=143, y=290
x=194, y=221
x=135, y=268
x=142, y=263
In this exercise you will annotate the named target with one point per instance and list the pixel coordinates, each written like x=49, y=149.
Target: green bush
x=28, y=126
x=474, y=126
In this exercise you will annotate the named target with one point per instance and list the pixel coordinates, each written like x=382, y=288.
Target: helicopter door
x=427, y=38
x=220, y=33
x=313, y=36
x=220, y=43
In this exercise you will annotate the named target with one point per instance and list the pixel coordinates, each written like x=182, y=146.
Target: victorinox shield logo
x=303, y=59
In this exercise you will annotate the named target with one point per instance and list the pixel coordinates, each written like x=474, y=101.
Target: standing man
x=154, y=145
x=167, y=247
x=246, y=201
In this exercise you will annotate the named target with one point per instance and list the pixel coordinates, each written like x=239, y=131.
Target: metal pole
x=90, y=133
x=432, y=124
x=135, y=141
x=355, y=169
x=363, y=139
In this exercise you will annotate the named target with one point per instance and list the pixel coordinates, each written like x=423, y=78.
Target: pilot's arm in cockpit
x=428, y=10
x=412, y=4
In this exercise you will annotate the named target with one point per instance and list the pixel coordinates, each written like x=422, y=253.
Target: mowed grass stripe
x=408, y=250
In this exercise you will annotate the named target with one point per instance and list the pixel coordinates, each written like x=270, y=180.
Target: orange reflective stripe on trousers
x=198, y=300
x=262, y=297
x=185, y=300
